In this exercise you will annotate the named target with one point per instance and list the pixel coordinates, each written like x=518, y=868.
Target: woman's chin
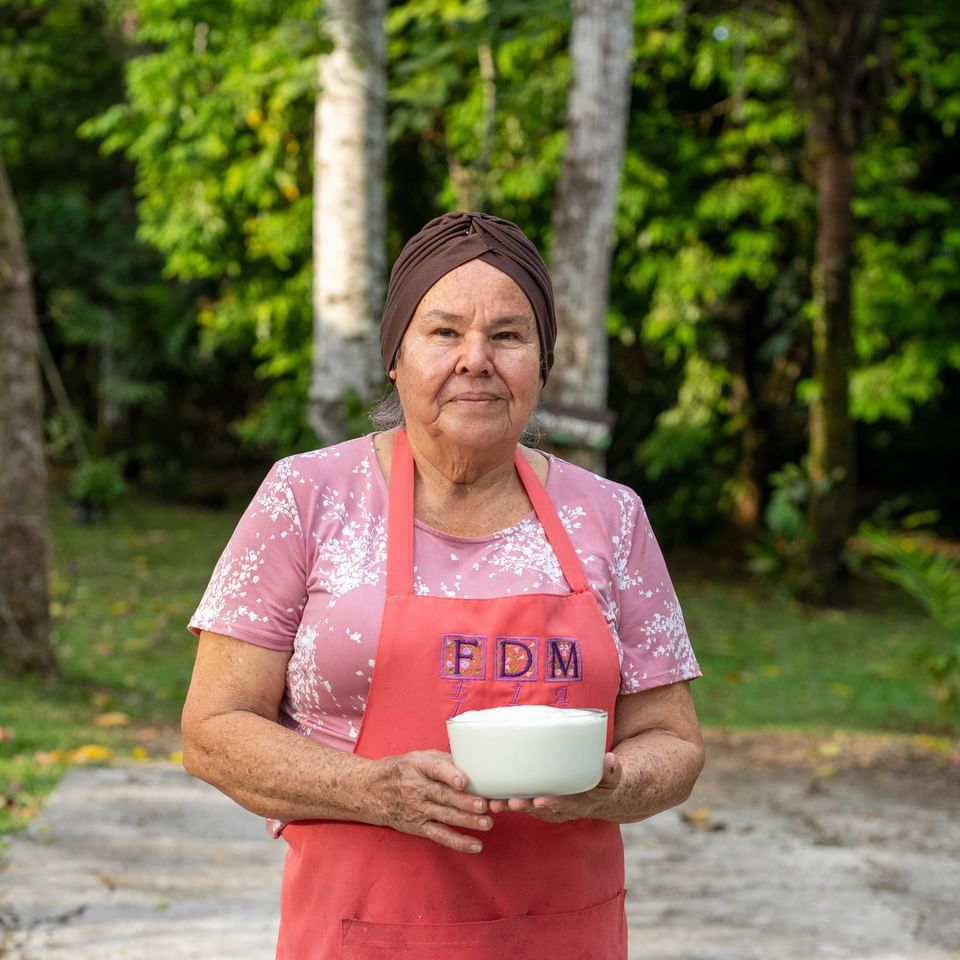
x=481, y=428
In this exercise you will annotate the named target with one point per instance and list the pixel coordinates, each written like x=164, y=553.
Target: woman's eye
x=444, y=332
x=506, y=335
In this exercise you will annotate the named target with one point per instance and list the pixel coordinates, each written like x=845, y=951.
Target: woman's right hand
x=422, y=793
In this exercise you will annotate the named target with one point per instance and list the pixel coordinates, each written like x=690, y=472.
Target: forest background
x=160, y=154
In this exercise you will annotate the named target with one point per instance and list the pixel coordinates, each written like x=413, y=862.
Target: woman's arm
x=231, y=739
x=656, y=759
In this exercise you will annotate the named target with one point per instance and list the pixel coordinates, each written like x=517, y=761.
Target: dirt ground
x=792, y=847
x=799, y=846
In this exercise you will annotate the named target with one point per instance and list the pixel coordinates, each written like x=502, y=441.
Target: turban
x=446, y=243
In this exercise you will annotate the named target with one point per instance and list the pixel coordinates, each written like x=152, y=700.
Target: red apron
x=353, y=891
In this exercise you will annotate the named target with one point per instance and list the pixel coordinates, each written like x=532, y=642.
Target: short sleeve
x=258, y=588
x=653, y=635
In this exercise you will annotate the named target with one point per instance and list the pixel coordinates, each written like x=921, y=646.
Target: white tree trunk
x=601, y=48
x=24, y=619
x=349, y=216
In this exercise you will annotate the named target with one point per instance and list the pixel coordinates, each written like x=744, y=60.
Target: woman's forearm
x=274, y=772
x=659, y=770
x=277, y=773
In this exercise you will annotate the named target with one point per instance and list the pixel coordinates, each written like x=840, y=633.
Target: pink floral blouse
x=305, y=573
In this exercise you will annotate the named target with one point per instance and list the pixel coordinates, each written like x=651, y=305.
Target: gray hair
x=387, y=414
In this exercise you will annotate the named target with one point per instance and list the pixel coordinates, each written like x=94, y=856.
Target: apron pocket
x=597, y=933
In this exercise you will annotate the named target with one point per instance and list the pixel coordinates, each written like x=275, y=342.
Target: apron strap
x=552, y=526
x=400, y=522
x=400, y=519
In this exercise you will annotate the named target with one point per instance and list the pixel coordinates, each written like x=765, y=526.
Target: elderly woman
x=371, y=591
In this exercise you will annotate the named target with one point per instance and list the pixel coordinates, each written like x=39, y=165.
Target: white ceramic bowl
x=529, y=750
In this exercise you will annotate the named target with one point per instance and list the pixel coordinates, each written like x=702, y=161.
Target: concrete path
x=764, y=861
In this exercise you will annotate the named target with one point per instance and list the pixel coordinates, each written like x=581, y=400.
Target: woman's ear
x=393, y=374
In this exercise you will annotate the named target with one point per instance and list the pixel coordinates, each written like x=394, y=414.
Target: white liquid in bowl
x=529, y=750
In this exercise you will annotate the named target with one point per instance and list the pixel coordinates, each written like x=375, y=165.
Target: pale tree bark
x=601, y=46
x=839, y=43
x=24, y=618
x=349, y=215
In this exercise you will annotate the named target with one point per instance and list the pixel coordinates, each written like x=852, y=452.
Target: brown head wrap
x=449, y=241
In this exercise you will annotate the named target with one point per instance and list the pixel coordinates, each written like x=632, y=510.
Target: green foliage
x=189, y=310
x=97, y=485
x=218, y=121
x=930, y=577
x=492, y=136
x=715, y=245
x=120, y=335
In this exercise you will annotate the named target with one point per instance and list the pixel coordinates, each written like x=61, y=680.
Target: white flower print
x=354, y=552
x=227, y=600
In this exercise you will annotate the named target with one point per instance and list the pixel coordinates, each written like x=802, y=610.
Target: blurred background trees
x=162, y=153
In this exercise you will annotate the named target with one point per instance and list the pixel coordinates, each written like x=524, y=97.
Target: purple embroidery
x=516, y=695
x=517, y=658
x=463, y=657
x=458, y=695
x=560, y=696
x=563, y=660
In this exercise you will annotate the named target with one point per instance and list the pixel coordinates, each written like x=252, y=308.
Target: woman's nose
x=475, y=354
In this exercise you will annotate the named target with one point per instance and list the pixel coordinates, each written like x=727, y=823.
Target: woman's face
x=468, y=369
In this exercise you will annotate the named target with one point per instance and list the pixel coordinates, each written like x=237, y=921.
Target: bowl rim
x=582, y=715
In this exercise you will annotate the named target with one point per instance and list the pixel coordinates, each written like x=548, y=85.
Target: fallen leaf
x=138, y=753
x=831, y=749
x=176, y=756
x=90, y=753
x=6, y=734
x=49, y=758
x=112, y=719
x=100, y=698
x=698, y=817
x=701, y=818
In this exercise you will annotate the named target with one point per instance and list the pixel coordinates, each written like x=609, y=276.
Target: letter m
x=563, y=660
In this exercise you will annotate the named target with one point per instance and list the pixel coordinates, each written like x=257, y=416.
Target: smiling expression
x=469, y=363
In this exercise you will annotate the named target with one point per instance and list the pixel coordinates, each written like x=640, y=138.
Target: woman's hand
x=657, y=756
x=421, y=793
x=576, y=806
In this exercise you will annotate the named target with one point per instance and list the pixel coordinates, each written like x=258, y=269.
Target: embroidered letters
x=512, y=659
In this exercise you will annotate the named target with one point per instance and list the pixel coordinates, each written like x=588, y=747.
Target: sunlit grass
x=121, y=594
x=769, y=660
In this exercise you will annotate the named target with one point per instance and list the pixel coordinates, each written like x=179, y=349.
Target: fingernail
x=458, y=783
x=475, y=847
x=478, y=805
x=485, y=823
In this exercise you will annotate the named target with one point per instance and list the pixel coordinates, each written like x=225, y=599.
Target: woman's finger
x=448, y=837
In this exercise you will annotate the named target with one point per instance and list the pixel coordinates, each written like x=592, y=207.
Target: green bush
x=96, y=486
x=932, y=578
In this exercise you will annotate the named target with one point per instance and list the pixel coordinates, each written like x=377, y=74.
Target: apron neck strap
x=400, y=521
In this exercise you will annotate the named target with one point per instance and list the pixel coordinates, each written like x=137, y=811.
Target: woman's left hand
x=658, y=754
x=576, y=806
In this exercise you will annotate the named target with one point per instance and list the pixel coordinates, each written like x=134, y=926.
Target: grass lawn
x=123, y=590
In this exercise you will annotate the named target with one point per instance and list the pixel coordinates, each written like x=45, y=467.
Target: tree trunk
x=601, y=46
x=349, y=216
x=838, y=44
x=832, y=452
x=24, y=618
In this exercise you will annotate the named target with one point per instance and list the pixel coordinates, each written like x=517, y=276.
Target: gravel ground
x=791, y=848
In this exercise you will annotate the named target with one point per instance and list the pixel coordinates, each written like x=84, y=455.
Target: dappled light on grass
x=121, y=594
